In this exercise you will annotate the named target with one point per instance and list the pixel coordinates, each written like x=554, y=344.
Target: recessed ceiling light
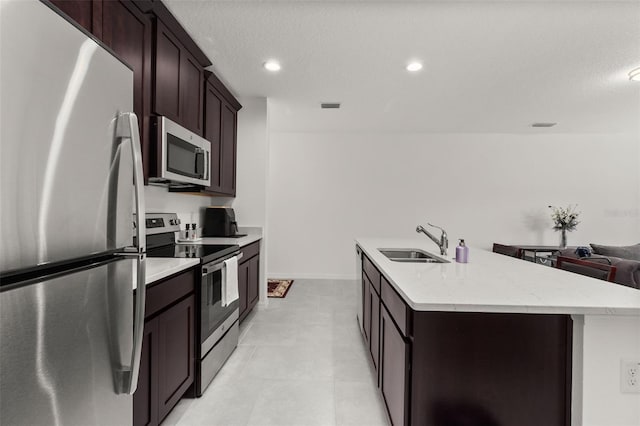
x=414, y=66
x=272, y=65
x=634, y=75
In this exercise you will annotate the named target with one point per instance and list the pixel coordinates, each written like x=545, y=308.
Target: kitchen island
x=497, y=340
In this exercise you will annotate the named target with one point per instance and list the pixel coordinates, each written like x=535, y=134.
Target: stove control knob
x=172, y=222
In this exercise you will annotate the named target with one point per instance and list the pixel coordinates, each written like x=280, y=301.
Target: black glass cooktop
x=206, y=252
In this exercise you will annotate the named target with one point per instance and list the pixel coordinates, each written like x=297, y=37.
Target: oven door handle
x=206, y=270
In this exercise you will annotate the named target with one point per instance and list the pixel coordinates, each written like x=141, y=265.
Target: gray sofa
x=626, y=259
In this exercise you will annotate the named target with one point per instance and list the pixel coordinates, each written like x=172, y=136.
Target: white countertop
x=252, y=237
x=161, y=267
x=492, y=282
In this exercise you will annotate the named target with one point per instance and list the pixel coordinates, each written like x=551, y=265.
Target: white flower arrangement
x=564, y=218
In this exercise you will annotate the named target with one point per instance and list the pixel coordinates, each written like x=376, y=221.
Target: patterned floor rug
x=278, y=288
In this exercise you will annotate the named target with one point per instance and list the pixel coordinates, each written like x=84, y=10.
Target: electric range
x=161, y=241
x=217, y=318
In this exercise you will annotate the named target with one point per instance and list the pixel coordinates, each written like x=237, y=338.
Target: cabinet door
x=191, y=93
x=374, y=336
x=228, y=140
x=366, y=308
x=81, y=11
x=145, y=399
x=253, y=281
x=394, y=365
x=166, y=91
x=212, y=127
x=175, y=354
x=128, y=32
x=243, y=274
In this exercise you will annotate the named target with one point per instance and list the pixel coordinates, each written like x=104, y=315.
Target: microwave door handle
x=207, y=168
x=127, y=128
x=200, y=154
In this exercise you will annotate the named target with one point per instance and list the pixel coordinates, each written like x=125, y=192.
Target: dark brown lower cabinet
x=253, y=281
x=175, y=354
x=249, y=278
x=466, y=368
x=371, y=319
x=243, y=274
x=145, y=410
x=366, y=309
x=374, y=339
x=394, y=370
x=168, y=349
x=491, y=369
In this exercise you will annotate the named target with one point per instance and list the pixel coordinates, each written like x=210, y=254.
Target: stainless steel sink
x=411, y=255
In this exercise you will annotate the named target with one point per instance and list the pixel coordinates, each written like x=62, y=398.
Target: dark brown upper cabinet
x=129, y=33
x=221, y=128
x=212, y=132
x=178, y=81
x=87, y=13
x=169, y=79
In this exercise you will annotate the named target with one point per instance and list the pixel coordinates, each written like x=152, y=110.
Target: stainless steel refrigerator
x=70, y=183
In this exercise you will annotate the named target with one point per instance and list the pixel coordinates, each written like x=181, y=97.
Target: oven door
x=215, y=319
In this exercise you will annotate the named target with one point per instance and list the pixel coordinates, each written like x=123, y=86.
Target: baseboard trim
x=312, y=276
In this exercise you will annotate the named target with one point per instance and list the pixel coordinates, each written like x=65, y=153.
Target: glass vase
x=563, y=238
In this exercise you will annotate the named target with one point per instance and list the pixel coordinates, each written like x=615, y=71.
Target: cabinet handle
x=127, y=129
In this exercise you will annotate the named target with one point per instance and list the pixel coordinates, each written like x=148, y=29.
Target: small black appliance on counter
x=220, y=222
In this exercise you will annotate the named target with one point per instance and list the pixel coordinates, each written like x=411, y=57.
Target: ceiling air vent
x=543, y=124
x=330, y=105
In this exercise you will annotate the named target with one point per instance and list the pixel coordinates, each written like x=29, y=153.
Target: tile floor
x=301, y=361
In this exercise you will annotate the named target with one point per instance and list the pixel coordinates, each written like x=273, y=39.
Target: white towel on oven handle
x=230, y=281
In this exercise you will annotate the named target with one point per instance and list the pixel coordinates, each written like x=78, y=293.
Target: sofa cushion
x=624, y=252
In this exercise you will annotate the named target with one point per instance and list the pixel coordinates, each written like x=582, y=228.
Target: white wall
x=326, y=189
x=189, y=207
x=251, y=173
x=608, y=340
x=250, y=204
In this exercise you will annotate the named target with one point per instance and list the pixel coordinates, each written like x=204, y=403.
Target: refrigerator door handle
x=128, y=129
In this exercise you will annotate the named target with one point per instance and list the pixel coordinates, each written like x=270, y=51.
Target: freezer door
x=64, y=341
x=59, y=154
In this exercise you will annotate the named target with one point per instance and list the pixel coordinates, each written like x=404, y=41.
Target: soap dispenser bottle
x=462, y=252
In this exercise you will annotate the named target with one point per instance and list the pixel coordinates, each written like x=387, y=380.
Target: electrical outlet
x=630, y=376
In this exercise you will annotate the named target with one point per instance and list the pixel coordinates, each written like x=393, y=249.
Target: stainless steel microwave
x=184, y=158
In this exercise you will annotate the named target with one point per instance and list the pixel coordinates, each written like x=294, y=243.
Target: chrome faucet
x=443, y=242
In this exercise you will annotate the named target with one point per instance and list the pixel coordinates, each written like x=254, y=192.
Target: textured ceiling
x=488, y=66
